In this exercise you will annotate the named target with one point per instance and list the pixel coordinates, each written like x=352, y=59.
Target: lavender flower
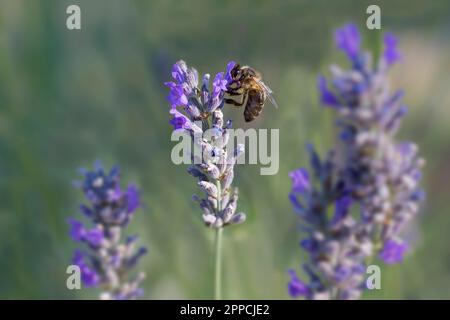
x=199, y=114
x=368, y=172
x=383, y=174
x=335, y=267
x=107, y=260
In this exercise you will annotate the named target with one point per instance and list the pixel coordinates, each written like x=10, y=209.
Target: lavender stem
x=218, y=251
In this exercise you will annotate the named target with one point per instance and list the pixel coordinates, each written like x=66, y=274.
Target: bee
x=247, y=83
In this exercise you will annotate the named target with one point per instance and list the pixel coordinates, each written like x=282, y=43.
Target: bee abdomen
x=254, y=106
x=252, y=111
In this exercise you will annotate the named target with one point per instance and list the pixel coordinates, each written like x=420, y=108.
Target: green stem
x=218, y=265
x=218, y=250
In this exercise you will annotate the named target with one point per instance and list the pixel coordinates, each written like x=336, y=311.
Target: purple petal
x=77, y=230
x=393, y=251
x=187, y=124
x=341, y=209
x=86, y=211
x=179, y=70
x=219, y=83
x=296, y=287
x=309, y=245
x=78, y=258
x=230, y=67
x=176, y=96
x=178, y=122
x=300, y=180
x=94, y=236
x=326, y=96
x=391, y=54
x=114, y=194
x=295, y=203
x=348, y=40
x=341, y=273
x=89, y=277
x=132, y=198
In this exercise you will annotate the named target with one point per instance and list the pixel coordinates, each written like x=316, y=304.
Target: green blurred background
x=68, y=98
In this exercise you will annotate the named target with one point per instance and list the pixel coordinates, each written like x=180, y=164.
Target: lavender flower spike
x=107, y=260
x=197, y=111
x=368, y=172
x=381, y=173
x=200, y=115
x=335, y=266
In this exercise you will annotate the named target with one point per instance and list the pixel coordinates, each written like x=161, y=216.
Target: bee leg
x=233, y=93
x=234, y=102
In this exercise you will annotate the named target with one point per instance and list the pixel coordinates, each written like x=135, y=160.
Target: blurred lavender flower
x=383, y=174
x=198, y=112
x=107, y=260
x=335, y=267
x=367, y=168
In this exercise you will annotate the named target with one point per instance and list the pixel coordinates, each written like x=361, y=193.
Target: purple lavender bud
x=208, y=187
x=219, y=86
x=295, y=202
x=300, y=180
x=134, y=259
x=219, y=83
x=341, y=209
x=176, y=95
x=230, y=67
x=89, y=277
x=314, y=160
x=393, y=251
x=309, y=245
x=114, y=194
x=228, y=178
x=238, y=218
x=86, y=211
x=77, y=230
x=348, y=40
x=94, y=237
x=184, y=76
x=133, y=200
x=179, y=71
x=391, y=54
x=178, y=122
x=326, y=96
x=296, y=287
x=341, y=274
x=197, y=173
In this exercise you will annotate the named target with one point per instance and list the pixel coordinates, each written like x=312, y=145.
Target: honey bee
x=246, y=82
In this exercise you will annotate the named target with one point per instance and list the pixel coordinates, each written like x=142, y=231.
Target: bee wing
x=269, y=93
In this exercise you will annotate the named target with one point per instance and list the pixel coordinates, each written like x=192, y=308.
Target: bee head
x=236, y=72
x=248, y=73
